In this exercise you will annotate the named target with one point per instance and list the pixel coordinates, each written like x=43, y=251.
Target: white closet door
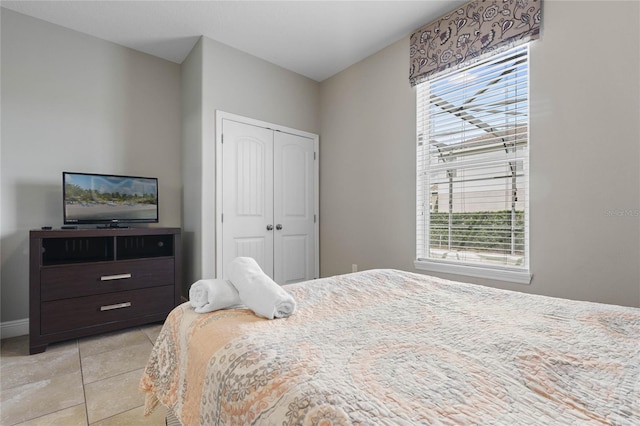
x=294, y=200
x=247, y=194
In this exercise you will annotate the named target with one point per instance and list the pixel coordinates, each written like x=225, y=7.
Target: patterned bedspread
x=386, y=347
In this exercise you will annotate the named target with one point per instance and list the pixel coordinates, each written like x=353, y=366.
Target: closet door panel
x=294, y=238
x=247, y=173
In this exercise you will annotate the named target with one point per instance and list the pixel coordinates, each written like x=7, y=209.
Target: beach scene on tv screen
x=90, y=197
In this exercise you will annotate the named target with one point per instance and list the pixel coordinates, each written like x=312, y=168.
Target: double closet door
x=268, y=206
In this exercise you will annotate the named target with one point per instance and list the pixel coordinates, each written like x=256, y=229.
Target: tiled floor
x=89, y=381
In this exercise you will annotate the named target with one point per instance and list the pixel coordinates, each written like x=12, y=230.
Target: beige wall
x=367, y=167
x=73, y=102
x=585, y=150
x=236, y=82
x=585, y=158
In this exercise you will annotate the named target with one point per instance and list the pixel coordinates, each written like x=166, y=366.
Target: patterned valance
x=468, y=33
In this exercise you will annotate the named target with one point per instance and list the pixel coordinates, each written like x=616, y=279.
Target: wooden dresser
x=89, y=281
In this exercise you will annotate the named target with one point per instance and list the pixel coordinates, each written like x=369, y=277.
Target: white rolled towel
x=212, y=295
x=259, y=292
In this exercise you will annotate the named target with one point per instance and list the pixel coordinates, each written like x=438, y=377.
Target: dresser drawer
x=105, y=277
x=71, y=314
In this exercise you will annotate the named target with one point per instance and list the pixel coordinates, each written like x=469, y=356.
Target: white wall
x=585, y=158
x=73, y=102
x=235, y=82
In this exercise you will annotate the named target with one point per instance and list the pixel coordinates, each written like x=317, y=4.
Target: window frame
x=519, y=275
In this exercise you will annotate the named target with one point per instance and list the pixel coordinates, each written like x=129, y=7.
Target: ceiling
x=314, y=38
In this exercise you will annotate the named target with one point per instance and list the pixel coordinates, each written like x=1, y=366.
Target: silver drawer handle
x=116, y=306
x=115, y=277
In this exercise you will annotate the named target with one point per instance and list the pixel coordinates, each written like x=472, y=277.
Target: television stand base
x=113, y=226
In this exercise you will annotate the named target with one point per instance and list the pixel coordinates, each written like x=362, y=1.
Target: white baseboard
x=14, y=328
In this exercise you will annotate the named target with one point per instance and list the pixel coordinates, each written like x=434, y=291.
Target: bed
x=388, y=347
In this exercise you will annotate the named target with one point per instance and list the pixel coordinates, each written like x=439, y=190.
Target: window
x=472, y=170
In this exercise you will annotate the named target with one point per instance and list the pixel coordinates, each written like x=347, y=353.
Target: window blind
x=472, y=164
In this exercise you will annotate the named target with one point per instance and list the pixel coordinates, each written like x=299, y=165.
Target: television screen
x=109, y=199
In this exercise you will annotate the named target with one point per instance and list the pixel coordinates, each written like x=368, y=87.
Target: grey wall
x=192, y=166
x=73, y=102
x=585, y=158
x=231, y=81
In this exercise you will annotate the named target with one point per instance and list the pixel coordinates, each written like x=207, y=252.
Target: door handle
x=269, y=227
x=278, y=227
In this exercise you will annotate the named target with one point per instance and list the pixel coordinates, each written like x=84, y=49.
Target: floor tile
x=109, y=341
x=121, y=392
x=93, y=379
x=115, y=362
x=135, y=417
x=37, y=399
x=17, y=367
x=152, y=331
x=72, y=416
x=14, y=346
x=19, y=346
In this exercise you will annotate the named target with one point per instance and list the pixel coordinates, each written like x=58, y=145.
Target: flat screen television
x=109, y=200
